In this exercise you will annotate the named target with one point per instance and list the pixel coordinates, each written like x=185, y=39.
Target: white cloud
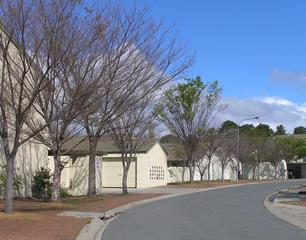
x=270, y=110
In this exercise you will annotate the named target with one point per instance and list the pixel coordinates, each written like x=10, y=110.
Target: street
x=235, y=213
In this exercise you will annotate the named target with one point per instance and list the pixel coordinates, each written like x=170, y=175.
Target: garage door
x=112, y=173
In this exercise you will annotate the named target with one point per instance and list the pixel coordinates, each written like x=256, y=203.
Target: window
x=157, y=173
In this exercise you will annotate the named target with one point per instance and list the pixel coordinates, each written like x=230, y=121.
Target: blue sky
x=255, y=48
x=241, y=43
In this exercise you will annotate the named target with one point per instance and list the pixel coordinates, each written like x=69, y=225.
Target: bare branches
x=130, y=132
x=23, y=77
x=65, y=69
x=71, y=50
x=137, y=59
x=226, y=151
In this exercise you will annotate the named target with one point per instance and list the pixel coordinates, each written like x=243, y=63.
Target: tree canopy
x=263, y=130
x=293, y=147
x=280, y=130
x=228, y=124
x=299, y=130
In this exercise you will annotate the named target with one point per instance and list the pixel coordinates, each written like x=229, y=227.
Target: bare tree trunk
x=92, y=192
x=126, y=166
x=183, y=174
x=92, y=175
x=208, y=171
x=258, y=176
x=202, y=175
x=242, y=171
x=124, y=181
x=222, y=173
x=254, y=172
x=9, y=184
x=191, y=174
x=56, y=185
x=275, y=171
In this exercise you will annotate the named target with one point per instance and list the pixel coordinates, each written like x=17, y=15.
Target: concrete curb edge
x=276, y=210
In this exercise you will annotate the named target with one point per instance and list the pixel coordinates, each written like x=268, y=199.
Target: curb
x=286, y=212
x=91, y=230
x=95, y=229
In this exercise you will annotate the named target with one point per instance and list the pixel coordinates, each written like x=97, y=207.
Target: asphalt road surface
x=235, y=213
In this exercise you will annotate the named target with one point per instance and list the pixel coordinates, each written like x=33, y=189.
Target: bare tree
x=188, y=110
x=226, y=152
x=200, y=162
x=274, y=154
x=246, y=154
x=138, y=56
x=260, y=153
x=74, y=39
x=23, y=78
x=130, y=132
x=211, y=143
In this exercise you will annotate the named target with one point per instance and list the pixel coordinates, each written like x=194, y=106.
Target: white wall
x=153, y=162
x=175, y=173
x=75, y=174
x=30, y=158
x=265, y=171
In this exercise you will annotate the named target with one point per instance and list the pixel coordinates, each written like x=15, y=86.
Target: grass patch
x=28, y=205
x=19, y=216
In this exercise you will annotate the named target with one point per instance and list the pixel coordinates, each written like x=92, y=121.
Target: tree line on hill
x=264, y=128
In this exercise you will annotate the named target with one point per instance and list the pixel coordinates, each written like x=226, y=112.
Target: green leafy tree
x=247, y=129
x=188, y=110
x=228, y=124
x=299, y=130
x=280, y=130
x=292, y=148
x=263, y=130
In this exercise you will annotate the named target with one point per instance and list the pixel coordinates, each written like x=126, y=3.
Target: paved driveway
x=235, y=213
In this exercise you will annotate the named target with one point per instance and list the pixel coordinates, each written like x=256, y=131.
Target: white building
x=148, y=167
x=177, y=165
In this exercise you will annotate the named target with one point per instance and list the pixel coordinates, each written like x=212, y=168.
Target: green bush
x=17, y=181
x=41, y=183
x=64, y=192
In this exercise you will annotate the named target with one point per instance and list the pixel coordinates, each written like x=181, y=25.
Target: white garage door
x=112, y=173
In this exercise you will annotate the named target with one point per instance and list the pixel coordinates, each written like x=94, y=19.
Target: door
x=112, y=173
x=294, y=171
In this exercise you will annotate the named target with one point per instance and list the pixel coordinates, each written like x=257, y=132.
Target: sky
x=256, y=49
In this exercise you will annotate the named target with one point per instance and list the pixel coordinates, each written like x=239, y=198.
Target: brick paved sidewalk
x=39, y=220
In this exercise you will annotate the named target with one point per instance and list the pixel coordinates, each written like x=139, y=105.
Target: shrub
x=17, y=181
x=64, y=192
x=41, y=184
